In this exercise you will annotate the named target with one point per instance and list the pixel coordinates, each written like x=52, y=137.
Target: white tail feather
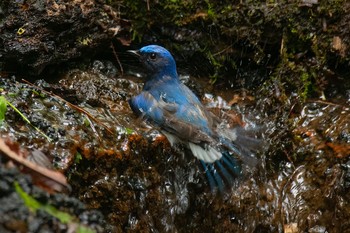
x=171, y=138
x=209, y=155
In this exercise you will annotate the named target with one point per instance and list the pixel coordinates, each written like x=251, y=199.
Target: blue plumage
x=172, y=106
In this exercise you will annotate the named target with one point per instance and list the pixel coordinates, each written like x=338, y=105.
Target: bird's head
x=157, y=60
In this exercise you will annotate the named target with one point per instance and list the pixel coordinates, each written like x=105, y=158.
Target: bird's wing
x=185, y=116
x=188, y=126
x=145, y=105
x=187, y=121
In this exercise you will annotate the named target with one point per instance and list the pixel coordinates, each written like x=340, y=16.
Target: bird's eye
x=153, y=56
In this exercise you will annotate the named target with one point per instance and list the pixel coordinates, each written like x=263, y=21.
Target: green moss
x=281, y=37
x=216, y=63
x=305, y=78
x=77, y=158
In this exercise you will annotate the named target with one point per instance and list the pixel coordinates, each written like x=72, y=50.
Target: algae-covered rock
x=301, y=43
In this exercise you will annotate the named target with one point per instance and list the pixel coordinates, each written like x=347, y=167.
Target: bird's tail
x=239, y=148
x=222, y=173
x=244, y=143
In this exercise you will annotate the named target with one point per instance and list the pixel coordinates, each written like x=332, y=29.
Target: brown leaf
x=50, y=180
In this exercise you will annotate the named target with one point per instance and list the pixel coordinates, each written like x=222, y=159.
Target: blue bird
x=166, y=102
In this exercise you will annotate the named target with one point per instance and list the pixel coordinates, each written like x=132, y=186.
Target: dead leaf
x=50, y=180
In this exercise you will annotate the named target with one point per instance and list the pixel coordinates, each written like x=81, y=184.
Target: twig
x=55, y=176
x=117, y=58
x=28, y=121
x=222, y=51
x=148, y=6
x=328, y=103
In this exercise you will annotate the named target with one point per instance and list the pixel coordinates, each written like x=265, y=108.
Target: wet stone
x=16, y=217
x=123, y=169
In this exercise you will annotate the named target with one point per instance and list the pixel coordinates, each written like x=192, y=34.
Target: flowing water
x=129, y=172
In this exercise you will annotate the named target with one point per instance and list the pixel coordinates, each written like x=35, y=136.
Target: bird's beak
x=134, y=52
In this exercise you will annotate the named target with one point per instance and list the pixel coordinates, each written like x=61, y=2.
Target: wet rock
x=126, y=169
x=39, y=34
x=17, y=217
